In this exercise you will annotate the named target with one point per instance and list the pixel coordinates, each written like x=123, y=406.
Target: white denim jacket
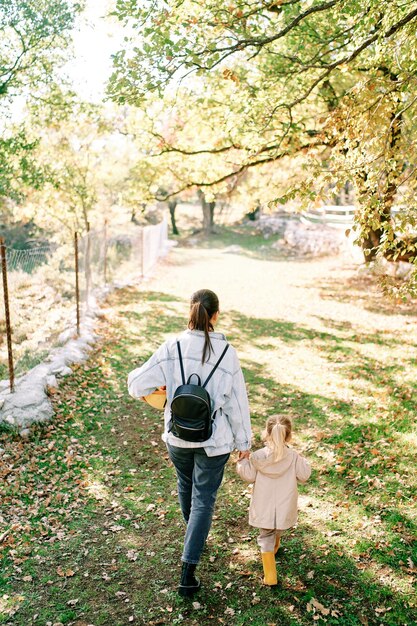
x=231, y=427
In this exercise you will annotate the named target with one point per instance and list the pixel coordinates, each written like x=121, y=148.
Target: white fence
x=332, y=215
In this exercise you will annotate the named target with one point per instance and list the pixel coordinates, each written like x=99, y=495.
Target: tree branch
x=244, y=167
x=263, y=41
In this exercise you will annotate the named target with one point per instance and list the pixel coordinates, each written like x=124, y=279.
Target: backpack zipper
x=187, y=395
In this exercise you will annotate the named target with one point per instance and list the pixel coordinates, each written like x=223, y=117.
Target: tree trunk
x=172, y=206
x=208, y=213
x=384, y=230
x=374, y=235
x=133, y=217
x=211, y=207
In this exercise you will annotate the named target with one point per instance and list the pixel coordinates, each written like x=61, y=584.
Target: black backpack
x=191, y=417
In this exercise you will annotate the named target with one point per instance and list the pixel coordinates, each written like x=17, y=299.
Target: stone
x=4, y=385
x=313, y=239
x=271, y=225
x=25, y=433
x=65, y=371
x=51, y=381
x=233, y=249
x=57, y=363
x=26, y=397
x=66, y=335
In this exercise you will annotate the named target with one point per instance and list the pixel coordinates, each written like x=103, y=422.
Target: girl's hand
x=243, y=454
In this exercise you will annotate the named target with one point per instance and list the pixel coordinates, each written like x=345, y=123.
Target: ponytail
x=204, y=304
x=277, y=433
x=277, y=441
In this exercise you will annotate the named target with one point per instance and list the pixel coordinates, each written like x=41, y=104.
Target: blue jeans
x=199, y=478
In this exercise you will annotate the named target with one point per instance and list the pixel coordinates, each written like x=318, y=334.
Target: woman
x=199, y=466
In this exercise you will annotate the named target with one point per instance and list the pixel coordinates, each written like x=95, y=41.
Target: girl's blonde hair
x=277, y=433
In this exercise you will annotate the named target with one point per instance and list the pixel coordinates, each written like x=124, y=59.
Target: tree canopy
x=33, y=36
x=333, y=81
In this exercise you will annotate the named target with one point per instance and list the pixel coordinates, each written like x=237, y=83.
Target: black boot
x=189, y=584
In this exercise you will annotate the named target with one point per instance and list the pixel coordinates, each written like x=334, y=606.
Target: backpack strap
x=181, y=363
x=216, y=366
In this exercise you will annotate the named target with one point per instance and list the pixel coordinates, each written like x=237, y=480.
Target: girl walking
x=199, y=465
x=275, y=471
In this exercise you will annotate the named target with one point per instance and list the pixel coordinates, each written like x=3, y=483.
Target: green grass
x=95, y=532
x=250, y=243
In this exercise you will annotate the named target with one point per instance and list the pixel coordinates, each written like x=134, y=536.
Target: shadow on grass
x=352, y=363
x=249, y=329
x=364, y=289
x=125, y=543
x=350, y=332
x=130, y=295
x=269, y=396
x=353, y=483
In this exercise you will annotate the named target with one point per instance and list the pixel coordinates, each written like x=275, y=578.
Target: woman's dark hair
x=203, y=305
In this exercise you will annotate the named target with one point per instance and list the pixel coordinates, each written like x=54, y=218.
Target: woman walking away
x=275, y=470
x=198, y=449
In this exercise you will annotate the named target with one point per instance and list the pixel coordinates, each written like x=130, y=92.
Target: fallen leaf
x=317, y=605
x=65, y=573
x=381, y=610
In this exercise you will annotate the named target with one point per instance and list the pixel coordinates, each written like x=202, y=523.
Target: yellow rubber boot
x=270, y=569
x=277, y=544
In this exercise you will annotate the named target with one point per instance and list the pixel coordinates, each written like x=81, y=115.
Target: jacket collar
x=200, y=333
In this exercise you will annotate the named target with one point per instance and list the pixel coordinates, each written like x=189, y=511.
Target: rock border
x=30, y=402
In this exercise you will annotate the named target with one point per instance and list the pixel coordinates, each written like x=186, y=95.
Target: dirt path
x=300, y=291
x=315, y=298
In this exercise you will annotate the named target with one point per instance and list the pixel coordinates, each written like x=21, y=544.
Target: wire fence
x=49, y=289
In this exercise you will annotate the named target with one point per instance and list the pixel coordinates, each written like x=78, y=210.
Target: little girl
x=275, y=470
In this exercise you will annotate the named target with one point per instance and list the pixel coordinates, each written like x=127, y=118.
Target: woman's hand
x=243, y=454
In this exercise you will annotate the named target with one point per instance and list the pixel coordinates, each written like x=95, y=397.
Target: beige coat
x=275, y=493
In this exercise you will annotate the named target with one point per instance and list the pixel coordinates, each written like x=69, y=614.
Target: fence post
x=105, y=253
x=7, y=312
x=143, y=251
x=87, y=268
x=77, y=284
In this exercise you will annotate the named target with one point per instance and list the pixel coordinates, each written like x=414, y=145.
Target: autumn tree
x=332, y=80
x=80, y=157
x=33, y=36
